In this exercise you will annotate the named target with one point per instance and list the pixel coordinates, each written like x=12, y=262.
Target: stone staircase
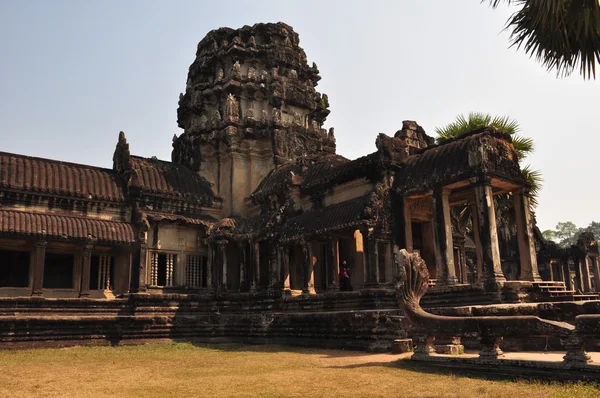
x=557, y=291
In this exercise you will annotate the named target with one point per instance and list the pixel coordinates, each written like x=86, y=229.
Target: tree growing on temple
x=477, y=120
x=560, y=34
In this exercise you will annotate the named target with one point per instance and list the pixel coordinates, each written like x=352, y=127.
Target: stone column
x=209, y=265
x=223, y=249
x=256, y=268
x=85, y=271
x=142, y=267
x=578, y=274
x=273, y=262
x=286, y=271
x=243, y=263
x=585, y=268
x=560, y=275
x=477, y=241
x=406, y=226
x=596, y=272
x=564, y=262
x=309, y=272
x=371, y=258
x=493, y=278
x=444, y=247
x=333, y=269
x=39, y=257
x=527, y=254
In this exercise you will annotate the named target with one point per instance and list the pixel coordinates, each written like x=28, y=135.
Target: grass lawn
x=181, y=369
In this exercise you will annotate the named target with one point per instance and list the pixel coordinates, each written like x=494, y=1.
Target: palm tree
x=523, y=145
x=561, y=34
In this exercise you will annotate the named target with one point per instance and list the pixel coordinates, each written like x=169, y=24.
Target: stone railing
x=411, y=283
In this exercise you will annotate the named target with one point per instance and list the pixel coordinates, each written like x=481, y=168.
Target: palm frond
x=523, y=145
x=536, y=180
x=560, y=34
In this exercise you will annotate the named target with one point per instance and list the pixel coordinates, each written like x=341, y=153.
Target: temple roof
x=204, y=220
x=347, y=214
x=486, y=151
x=54, y=226
x=166, y=178
x=48, y=176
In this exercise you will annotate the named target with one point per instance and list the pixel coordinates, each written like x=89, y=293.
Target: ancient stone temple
x=256, y=213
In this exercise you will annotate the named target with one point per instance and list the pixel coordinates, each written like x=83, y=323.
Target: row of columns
x=83, y=257
x=583, y=276
x=486, y=237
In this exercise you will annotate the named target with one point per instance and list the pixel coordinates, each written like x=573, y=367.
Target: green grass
x=181, y=369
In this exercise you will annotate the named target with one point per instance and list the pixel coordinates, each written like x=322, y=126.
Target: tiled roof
x=454, y=161
x=54, y=177
x=338, y=171
x=347, y=214
x=160, y=216
x=167, y=178
x=323, y=169
x=53, y=226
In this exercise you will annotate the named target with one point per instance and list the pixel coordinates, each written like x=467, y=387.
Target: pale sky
x=75, y=73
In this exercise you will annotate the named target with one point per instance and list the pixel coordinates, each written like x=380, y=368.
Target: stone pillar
x=39, y=257
x=223, y=249
x=209, y=265
x=142, y=267
x=371, y=258
x=477, y=241
x=406, y=226
x=242, y=257
x=256, y=281
x=578, y=275
x=585, y=274
x=85, y=271
x=333, y=266
x=286, y=271
x=527, y=254
x=564, y=262
x=309, y=270
x=596, y=272
x=444, y=247
x=273, y=263
x=493, y=278
x=560, y=274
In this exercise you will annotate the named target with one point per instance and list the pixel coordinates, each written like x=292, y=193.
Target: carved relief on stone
x=315, y=125
x=216, y=118
x=274, y=72
x=219, y=76
x=264, y=118
x=252, y=41
x=237, y=41
x=421, y=208
x=236, y=70
x=280, y=144
x=250, y=114
x=331, y=135
x=297, y=119
x=232, y=111
x=264, y=75
x=293, y=74
x=276, y=116
x=251, y=73
x=203, y=122
x=224, y=44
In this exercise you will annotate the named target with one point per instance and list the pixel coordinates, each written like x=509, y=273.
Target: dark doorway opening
x=58, y=271
x=14, y=268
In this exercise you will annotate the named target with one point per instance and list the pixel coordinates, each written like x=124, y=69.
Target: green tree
x=566, y=233
x=549, y=235
x=477, y=120
x=561, y=34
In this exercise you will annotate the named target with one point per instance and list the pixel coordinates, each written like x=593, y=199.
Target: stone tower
x=250, y=105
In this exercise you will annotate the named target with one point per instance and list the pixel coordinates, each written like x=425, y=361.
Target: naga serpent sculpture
x=411, y=282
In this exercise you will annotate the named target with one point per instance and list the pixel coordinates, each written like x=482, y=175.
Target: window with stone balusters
x=101, y=272
x=162, y=267
x=196, y=271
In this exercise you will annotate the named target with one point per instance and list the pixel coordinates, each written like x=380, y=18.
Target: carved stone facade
x=256, y=202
